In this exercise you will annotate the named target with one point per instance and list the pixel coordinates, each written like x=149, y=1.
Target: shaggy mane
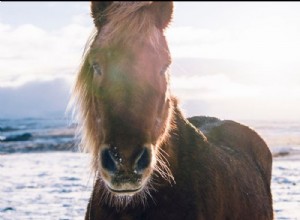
x=126, y=22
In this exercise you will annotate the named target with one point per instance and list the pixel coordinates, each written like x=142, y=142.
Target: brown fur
x=212, y=181
x=128, y=110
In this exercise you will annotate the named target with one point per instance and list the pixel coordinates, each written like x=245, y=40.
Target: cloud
x=236, y=90
x=211, y=87
x=38, y=65
x=28, y=51
x=266, y=41
x=35, y=99
x=253, y=108
x=219, y=96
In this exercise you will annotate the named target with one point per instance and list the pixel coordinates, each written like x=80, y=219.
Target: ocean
x=44, y=176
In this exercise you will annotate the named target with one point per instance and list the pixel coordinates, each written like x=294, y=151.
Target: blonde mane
x=125, y=21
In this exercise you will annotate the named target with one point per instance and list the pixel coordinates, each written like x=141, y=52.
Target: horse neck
x=181, y=129
x=183, y=138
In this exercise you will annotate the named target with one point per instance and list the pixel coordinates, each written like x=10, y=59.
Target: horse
x=149, y=160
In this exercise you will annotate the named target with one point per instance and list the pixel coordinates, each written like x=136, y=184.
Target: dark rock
x=8, y=209
x=6, y=129
x=21, y=137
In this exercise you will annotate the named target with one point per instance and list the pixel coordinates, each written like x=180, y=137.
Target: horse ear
x=97, y=11
x=163, y=12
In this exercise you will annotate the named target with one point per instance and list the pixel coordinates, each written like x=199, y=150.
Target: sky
x=232, y=60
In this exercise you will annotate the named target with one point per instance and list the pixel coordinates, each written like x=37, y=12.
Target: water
x=286, y=188
x=283, y=137
x=44, y=177
x=44, y=186
x=32, y=135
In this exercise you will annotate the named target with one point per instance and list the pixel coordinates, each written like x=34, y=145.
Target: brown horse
x=149, y=161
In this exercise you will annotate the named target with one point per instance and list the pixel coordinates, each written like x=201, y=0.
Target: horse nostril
x=107, y=160
x=143, y=160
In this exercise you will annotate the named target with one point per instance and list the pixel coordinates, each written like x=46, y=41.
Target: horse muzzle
x=125, y=175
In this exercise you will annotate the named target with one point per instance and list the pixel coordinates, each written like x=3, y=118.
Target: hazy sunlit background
x=233, y=60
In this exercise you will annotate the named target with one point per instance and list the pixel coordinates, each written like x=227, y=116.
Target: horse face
x=132, y=100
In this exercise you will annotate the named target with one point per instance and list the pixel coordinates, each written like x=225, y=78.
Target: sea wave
x=36, y=135
x=18, y=137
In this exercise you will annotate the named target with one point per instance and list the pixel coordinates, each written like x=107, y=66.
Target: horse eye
x=97, y=69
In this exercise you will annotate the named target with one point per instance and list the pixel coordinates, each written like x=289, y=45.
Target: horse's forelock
x=128, y=22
